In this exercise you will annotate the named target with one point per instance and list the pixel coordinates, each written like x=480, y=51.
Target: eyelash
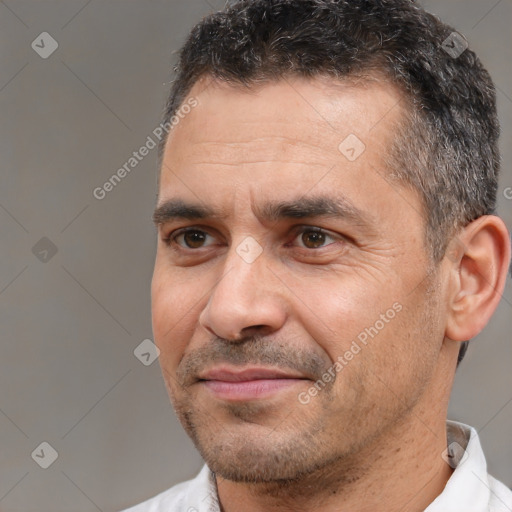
x=171, y=239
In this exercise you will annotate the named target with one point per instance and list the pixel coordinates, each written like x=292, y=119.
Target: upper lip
x=247, y=374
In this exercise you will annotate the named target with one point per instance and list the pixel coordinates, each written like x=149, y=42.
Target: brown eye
x=190, y=239
x=194, y=239
x=313, y=239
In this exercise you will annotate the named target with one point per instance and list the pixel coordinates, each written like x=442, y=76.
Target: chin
x=257, y=454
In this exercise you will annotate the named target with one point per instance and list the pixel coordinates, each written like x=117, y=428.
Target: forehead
x=286, y=139
x=308, y=114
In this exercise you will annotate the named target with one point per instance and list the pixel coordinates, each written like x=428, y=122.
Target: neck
x=401, y=470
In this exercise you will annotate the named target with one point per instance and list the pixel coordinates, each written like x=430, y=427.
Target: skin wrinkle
x=340, y=210
x=255, y=350
x=261, y=140
x=231, y=160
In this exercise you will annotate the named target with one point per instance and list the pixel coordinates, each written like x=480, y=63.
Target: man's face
x=297, y=319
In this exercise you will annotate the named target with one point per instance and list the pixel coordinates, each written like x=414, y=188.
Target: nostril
x=253, y=330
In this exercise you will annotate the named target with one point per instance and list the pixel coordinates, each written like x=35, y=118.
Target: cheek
x=175, y=309
x=337, y=313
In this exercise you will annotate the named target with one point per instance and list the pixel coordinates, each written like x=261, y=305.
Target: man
x=327, y=246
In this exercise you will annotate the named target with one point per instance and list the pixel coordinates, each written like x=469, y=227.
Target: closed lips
x=250, y=374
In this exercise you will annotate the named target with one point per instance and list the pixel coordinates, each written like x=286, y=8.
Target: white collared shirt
x=469, y=489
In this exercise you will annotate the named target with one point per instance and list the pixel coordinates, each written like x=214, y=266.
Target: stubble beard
x=258, y=441
x=251, y=451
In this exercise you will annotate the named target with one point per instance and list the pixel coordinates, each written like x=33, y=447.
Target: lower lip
x=249, y=390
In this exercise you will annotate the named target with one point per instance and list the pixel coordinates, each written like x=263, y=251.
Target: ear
x=480, y=256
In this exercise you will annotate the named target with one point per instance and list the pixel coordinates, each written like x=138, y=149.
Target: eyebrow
x=174, y=209
x=272, y=211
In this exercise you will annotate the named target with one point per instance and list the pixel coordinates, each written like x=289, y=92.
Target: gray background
x=69, y=326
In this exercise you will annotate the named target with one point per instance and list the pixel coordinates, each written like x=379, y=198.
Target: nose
x=247, y=300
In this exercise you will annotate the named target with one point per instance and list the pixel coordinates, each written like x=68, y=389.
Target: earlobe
x=480, y=256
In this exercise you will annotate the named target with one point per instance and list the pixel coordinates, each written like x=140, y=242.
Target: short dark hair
x=446, y=146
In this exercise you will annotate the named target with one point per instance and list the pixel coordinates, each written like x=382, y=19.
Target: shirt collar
x=468, y=489
x=201, y=495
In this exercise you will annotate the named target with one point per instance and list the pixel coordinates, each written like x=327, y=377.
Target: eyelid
x=170, y=239
x=316, y=229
